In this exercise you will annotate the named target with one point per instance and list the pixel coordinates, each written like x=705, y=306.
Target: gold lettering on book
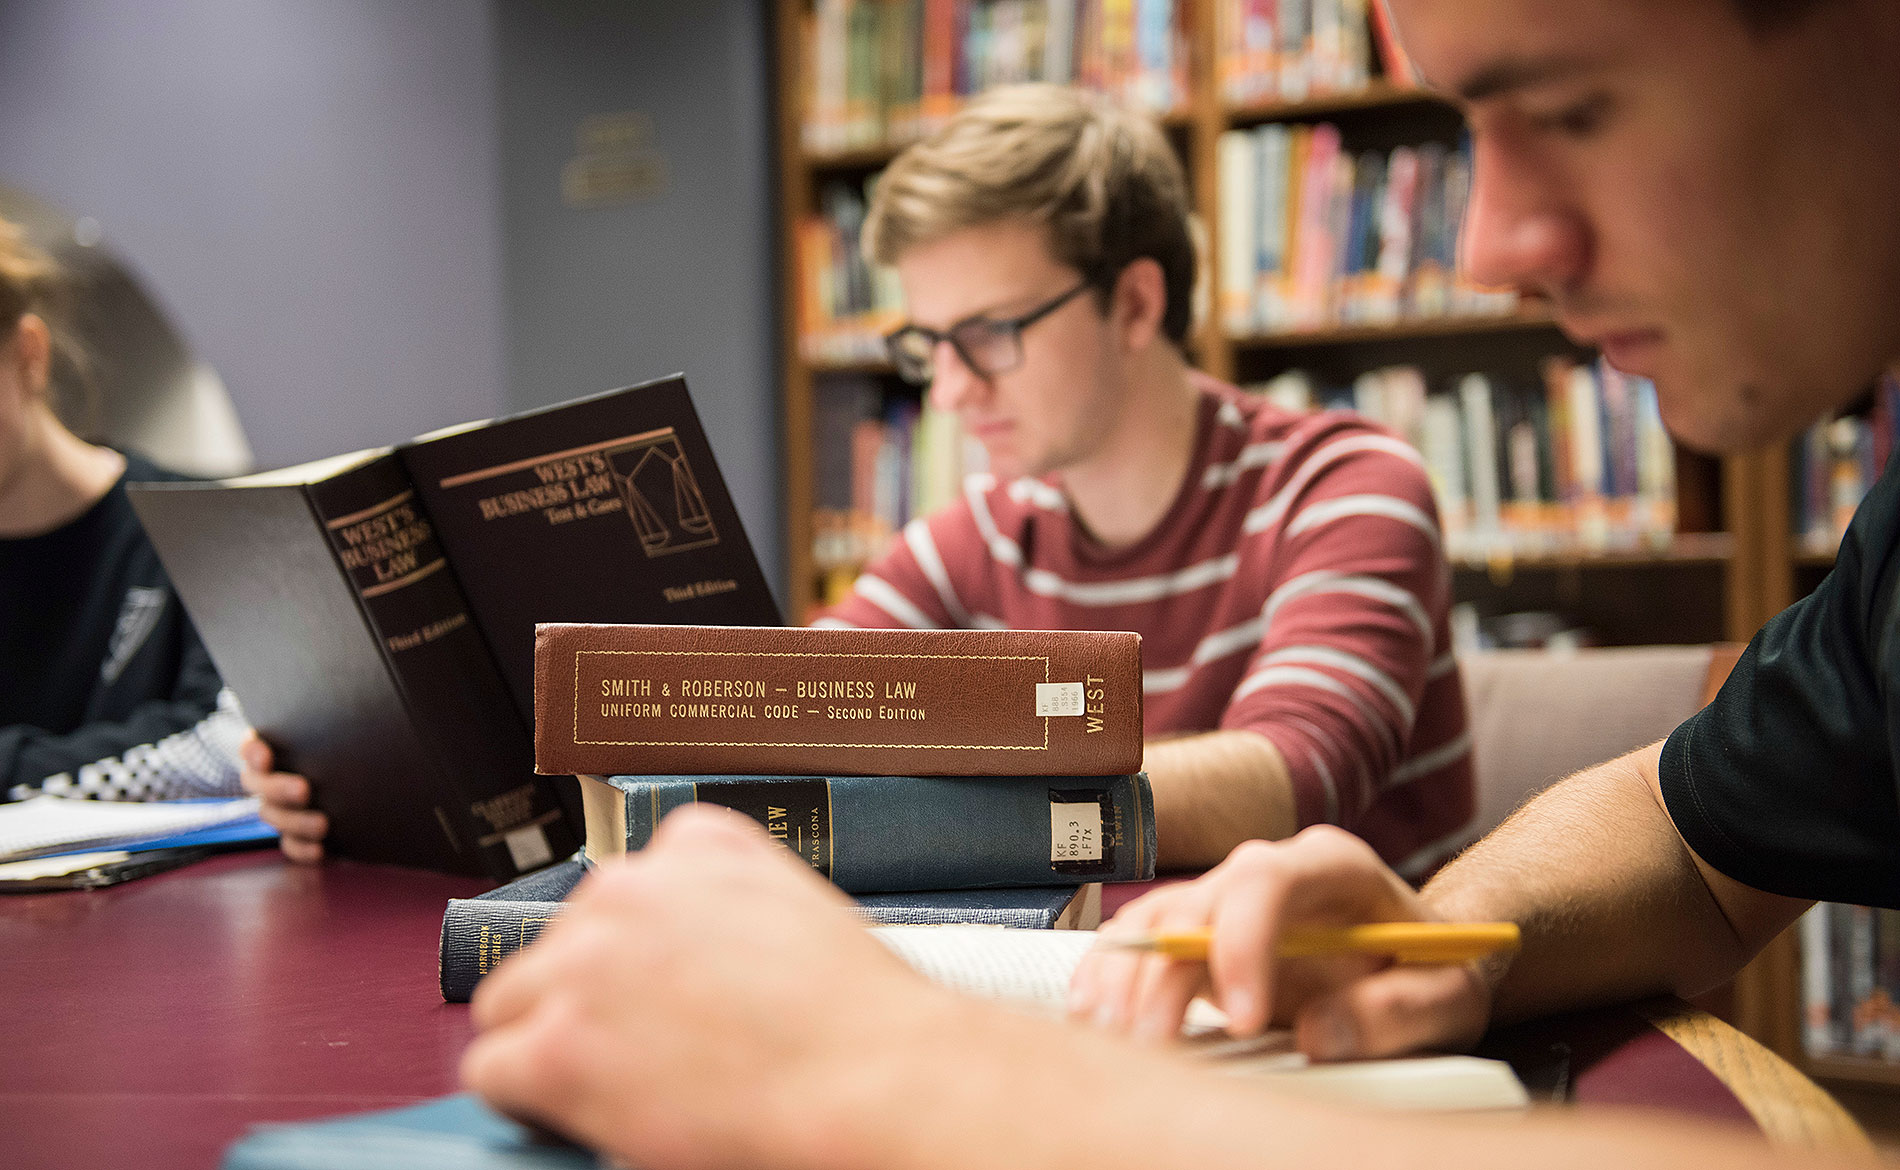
x=711, y=710
x=777, y=824
x=572, y=487
x=630, y=710
x=428, y=633
x=388, y=545
x=1095, y=694
x=830, y=688
x=707, y=588
x=721, y=688
x=628, y=688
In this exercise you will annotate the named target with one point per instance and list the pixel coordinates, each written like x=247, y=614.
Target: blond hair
x=32, y=281
x=1104, y=181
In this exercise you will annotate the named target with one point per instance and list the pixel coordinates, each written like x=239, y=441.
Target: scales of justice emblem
x=662, y=496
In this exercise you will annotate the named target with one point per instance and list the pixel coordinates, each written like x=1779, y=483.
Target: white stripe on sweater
x=1321, y=512
x=1269, y=514
x=923, y=546
x=1376, y=588
x=885, y=596
x=1356, y=666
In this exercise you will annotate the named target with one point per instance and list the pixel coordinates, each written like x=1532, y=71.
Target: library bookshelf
x=1731, y=562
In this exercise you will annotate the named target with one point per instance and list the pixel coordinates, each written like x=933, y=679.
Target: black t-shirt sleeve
x=1786, y=781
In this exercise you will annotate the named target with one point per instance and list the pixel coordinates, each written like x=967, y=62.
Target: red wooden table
x=149, y=1024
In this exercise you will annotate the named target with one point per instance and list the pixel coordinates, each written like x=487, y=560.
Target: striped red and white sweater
x=1296, y=587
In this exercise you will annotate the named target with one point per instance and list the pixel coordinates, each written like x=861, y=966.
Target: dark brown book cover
x=604, y=509
x=375, y=613
x=644, y=700
x=329, y=607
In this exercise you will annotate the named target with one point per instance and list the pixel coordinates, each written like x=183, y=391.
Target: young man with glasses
x=1284, y=570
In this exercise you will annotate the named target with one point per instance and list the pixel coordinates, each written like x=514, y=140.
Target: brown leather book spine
x=648, y=700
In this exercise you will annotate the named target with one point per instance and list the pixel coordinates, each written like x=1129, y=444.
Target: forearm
x=1610, y=900
x=1215, y=790
x=975, y=1086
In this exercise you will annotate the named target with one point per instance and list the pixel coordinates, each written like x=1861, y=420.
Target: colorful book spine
x=613, y=699
x=1313, y=235
x=885, y=71
x=1836, y=462
x=1525, y=469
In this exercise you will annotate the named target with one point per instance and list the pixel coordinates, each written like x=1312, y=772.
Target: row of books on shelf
x=1312, y=234
x=884, y=71
x=879, y=465
x=1577, y=464
x=846, y=305
x=1026, y=792
x=1835, y=463
x=1290, y=50
x=1850, y=981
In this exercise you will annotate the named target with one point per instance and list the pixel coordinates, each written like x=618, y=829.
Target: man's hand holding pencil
x=1314, y=933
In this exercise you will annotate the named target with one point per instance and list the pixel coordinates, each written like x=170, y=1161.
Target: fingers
x=1102, y=989
x=1397, y=1010
x=284, y=802
x=255, y=753
x=523, y=1069
x=1163, y=987
x=284, y=790
x=300, y=832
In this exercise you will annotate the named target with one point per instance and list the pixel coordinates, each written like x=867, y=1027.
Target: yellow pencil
x=1405, y=942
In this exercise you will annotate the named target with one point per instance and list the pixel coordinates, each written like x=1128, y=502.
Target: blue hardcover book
x=879, y=834
x=479, y=932
x=449, y=1133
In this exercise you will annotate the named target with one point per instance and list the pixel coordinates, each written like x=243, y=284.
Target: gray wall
x=599, y=297
x=352, y=208
x=308, y=188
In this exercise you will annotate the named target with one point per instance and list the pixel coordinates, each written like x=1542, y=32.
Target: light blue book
x=449, y=1133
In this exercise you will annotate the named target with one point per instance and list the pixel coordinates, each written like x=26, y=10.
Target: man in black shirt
x=1703, y=188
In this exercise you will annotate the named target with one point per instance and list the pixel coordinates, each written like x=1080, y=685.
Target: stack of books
x=941, y=776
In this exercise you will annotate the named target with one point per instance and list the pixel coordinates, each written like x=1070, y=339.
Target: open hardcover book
x=1031, y=969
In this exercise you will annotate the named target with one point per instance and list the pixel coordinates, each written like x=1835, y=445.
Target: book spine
x=494, y=808
x=618, y=699
x=900, y=833
x=477, y=935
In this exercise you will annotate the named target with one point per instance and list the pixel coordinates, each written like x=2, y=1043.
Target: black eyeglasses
x=987, y=345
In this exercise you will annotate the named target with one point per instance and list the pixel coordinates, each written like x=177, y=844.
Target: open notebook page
x=1031, y=968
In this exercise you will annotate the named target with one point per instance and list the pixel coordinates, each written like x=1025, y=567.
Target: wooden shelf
x=1408, y=330
x=1377, y=96
x=875, y=155
x=1859, y=1070
x=1688, y=548
x=1400, y=331
x=851, y=366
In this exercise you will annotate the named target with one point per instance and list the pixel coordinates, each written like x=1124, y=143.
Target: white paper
x=56, y=824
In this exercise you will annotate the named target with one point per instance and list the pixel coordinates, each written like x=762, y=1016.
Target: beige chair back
x=1536, y=716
